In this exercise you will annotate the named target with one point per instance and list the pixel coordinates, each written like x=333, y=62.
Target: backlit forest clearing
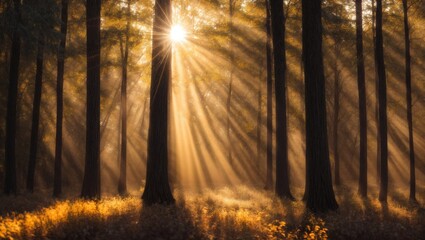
x=212, y=119
x=227, y=213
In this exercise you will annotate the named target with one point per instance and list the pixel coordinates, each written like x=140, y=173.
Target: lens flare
x=177, y=34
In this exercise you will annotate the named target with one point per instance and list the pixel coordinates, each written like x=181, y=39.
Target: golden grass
x=228, y=213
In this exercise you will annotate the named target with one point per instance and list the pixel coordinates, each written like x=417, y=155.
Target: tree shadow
x=24, y=202
x=167, y=222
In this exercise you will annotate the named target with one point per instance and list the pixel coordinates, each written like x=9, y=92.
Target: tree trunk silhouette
x=35, y=115
x=278, y=35
x=91, y=182
x=320, y=195
x=378, y=138
x=379, y=52
x=57, y=187
x=157, y=188
x=269, y=171
x=122, y=184
x=362, y=100
x=10, y=185
x=412, y=195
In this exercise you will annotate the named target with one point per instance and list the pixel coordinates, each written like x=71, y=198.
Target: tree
x=408, y=75
x=362, y=100
x=319, y=192
x=337, y=27
x=157, y=188
x=39, y=23
x=10, y=185
x=278, y=36
x=378, y=138
x=57, y=186
x=36, y=114
x=91, y=182
x=382, y=93
x=124, y=45
x=269, y=176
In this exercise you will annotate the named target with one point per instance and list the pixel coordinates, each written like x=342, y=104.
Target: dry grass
x=237, y=213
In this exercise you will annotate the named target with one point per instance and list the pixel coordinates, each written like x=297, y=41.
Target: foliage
x=227, y=213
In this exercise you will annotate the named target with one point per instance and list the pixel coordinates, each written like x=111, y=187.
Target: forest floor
x=227, y=213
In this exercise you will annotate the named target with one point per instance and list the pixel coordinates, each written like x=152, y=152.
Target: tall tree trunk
x=361, y=84
x=320, y=195
x=379, y=52
x=10, y=185
x=35, y=115
x=269, y=174
x=91, y=182
x=278, y=36
x=122, y=185
x=378, y=138
x=336, y=108
x=230, y=87
x=157, y=188
x=57, y=187
x=412, y=195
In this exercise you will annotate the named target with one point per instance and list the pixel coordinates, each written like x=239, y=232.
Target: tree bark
x=378, y=138
x=361, y=84
x=412, y=195
x=57, y=187
x=157, y=188
x=91, y=182
x=269, y=174
x=35, y=115
x=10, y=185
x=382, y=82
x=122, y=184
x=278, y=35
x=320, y=195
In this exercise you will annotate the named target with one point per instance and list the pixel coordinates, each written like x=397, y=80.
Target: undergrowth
x=228, y=213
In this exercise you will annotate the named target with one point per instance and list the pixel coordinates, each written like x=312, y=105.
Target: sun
x=177, y=34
